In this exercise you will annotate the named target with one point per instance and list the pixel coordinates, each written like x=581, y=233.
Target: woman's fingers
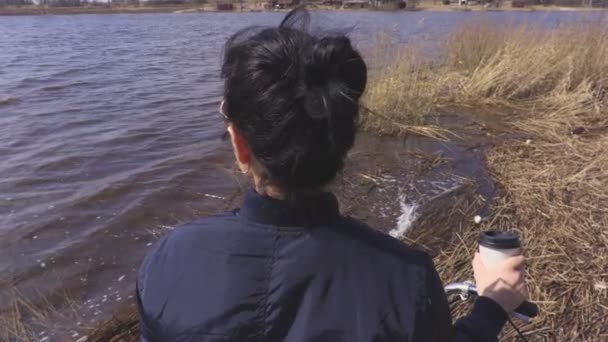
x=504, y=282
x=515, y=263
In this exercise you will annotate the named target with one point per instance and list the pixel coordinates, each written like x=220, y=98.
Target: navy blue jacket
x=296, y=271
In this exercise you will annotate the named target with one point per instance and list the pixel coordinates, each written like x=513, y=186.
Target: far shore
x=37, y=10
x=121, y=9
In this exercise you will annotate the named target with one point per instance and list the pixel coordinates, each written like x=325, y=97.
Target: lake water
x=109, y=134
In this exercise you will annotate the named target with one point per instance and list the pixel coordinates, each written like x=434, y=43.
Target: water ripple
x=9, y=101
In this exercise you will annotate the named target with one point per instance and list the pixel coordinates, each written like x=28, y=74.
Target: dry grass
x=123, y=327
x=527, y=66
x=417, y=92
x=402, y=91
x=555, y=194
x=554, y=187
x=562, y=71
x=444, y=217
x=13, y=323
x=34, y=316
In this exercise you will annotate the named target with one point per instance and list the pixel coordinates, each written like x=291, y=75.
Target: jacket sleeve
x=482, y=324
x=149, y=328
x=144, y=333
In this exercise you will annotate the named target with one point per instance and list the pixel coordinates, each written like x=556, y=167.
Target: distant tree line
x=15, y=3
x=86, y=3
x=65, y=3
x=51, y=3
x=175, y=2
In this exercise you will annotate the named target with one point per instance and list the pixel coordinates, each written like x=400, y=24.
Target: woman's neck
x=269, y=190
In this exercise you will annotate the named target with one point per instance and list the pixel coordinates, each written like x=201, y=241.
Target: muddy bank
x=422, y=189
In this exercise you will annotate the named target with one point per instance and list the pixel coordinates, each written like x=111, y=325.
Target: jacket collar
x=308, y=209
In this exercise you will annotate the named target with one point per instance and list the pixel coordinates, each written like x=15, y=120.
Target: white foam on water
x=214, y=196
x=407, y=217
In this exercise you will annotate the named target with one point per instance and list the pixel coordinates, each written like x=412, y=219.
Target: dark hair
x=294, y=97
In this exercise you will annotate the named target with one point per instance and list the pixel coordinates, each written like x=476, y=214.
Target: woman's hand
x=504, y=282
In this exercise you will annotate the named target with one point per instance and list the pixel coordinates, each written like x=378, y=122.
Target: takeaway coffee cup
x=496, y=246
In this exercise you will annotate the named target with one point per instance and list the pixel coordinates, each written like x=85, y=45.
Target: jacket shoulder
x=193, y=257
x=186, y=233
x=178, y=243
x=383, y=243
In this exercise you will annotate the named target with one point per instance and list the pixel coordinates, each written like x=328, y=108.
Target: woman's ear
x=241, y=150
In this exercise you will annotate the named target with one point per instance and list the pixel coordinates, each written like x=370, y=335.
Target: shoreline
x=38, y=11
x=181, y=9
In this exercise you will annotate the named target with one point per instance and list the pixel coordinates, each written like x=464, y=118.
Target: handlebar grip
x=527, y=309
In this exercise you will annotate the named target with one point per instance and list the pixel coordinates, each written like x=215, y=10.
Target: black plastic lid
x=499, y=239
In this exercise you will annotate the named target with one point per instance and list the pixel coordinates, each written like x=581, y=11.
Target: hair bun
x=294, y=96
x=334, y=59
x=326, y=57
x=334, y=73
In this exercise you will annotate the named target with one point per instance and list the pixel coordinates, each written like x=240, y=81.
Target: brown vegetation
x=31, y=317
x=528, y=68
x=554, y=181
x=404, y=88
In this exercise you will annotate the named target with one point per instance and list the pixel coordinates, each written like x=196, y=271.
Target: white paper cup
x=496, y=246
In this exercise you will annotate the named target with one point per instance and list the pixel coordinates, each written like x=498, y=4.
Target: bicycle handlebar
x=525, y=312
